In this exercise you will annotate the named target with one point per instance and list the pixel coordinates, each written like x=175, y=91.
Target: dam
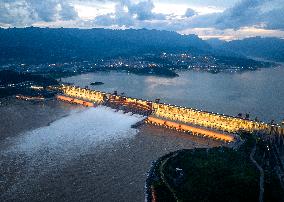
x=209, y=124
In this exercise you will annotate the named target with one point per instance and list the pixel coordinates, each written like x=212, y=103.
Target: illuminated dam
x=198, y=122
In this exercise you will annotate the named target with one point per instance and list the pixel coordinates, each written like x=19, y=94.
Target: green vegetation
x=265, y=156
x=12, y=83
x=58, y=75
x=11, y=77
x=217, y=174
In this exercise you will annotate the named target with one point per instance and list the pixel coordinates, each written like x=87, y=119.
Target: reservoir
x=259, y=93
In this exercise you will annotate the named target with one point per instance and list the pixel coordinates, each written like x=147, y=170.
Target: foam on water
x=49, y=149
x=78, y=132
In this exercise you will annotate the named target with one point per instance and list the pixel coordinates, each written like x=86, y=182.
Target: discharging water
x=91, y=154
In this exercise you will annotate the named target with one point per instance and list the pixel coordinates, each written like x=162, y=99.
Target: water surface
x=259, y=93
x=88, y=155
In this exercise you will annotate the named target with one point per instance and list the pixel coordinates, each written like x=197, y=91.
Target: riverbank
x=216, y=174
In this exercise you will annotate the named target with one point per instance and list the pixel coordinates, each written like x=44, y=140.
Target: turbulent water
x=78, y=132
x=91, y=154
x=259, y=93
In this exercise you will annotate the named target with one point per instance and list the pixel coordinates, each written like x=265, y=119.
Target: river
x=259, y=93
x=62, y=152
x=83, y=154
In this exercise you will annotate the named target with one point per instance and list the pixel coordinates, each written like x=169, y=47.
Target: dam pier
x=197, y=122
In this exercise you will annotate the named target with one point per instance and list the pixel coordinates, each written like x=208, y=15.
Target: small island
x=97, y=83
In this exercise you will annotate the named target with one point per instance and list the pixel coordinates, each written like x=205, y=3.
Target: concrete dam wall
x=180, y=115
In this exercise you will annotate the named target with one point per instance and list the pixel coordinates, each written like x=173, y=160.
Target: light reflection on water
x=259, y=93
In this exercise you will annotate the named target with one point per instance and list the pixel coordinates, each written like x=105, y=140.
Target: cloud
x=142, y=9
x=249, y=17
x=274, y=19
x=258, y=13
x=231, y=34
x=13, y=12
x=190, y=12
x=26, y=12
x=67, y=12
x=128, y=14
x=120, y=17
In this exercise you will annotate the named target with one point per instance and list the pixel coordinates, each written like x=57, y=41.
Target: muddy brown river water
x=60, y=152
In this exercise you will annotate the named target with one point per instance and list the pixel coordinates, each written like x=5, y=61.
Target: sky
x=224, y=19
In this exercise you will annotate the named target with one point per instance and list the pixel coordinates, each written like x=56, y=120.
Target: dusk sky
x=225, y=19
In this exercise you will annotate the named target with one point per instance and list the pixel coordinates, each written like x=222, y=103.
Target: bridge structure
x=218, y=126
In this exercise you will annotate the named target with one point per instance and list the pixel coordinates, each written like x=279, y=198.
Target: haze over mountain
x=38, y=45
x=269, y=48
x=44, y=44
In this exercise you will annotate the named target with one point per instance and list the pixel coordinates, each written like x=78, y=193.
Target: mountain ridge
x=269, y=48
x=63, y=44
x=51, y=45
